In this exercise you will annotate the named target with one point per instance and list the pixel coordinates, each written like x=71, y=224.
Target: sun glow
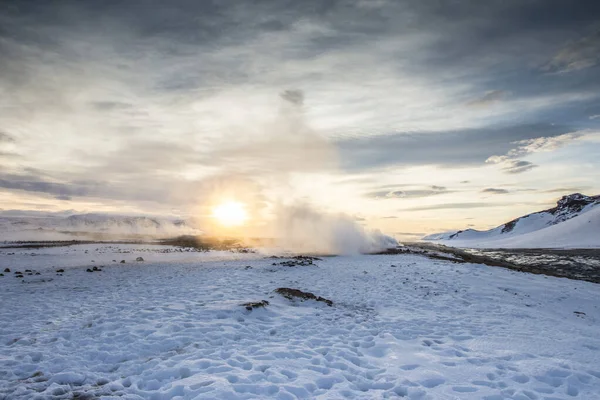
x=231, y=213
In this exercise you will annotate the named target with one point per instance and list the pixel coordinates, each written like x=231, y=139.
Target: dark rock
x=37, y=273
x=122, y=261
x=139, y=259
x=247, y=267
x=18, y=276
x=89, y=270
x=1, y=274
x=509, y=226
x=95, y=269
x=18, y=273
x=253, y=305
x=394, y=250
x=60, y=270
x=6, y=269
x=28, y=270
x=292, y=294
x=300, y=261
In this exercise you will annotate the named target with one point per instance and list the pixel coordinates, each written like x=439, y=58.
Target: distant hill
x=95, y=226
x=573, y=223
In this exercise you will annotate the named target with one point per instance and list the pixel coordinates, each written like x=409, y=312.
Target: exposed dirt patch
x=295, y=294
x=254, y=305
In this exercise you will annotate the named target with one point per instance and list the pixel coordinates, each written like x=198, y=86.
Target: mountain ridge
x=568, y=207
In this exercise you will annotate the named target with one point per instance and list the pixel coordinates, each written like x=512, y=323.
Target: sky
x=411, y=117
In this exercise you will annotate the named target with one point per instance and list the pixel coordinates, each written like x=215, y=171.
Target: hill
x=573, y=223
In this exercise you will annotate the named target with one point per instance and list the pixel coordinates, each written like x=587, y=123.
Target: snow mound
x=178, y=327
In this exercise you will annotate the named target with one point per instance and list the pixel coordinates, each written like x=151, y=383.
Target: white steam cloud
x=304, y=230
x=271, y=156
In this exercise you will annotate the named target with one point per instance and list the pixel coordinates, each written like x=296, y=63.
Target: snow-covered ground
x=401, y=326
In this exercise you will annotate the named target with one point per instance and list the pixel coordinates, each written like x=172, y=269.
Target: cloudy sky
x=411, y=116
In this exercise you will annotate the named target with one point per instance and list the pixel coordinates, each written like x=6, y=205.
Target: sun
x=230, y=213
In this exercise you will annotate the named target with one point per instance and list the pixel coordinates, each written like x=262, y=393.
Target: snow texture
x=401, y=326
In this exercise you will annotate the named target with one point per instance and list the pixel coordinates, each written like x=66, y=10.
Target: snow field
x=172, y=328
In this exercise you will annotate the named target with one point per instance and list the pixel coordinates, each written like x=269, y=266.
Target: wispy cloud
x=576, y=55
x=517, y=166
x=536, y=145
x=489, y=98
x=495, y=191
x=567, y=190
x=6, y=138
x=449, y=206
x=408, y=194
x=445, y=148
x=510, y=161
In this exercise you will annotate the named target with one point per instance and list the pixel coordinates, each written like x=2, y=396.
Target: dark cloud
x=466, y=147
x=36, y=213
x=63, y=197
x=111, y=105
x=65, y=189
x=8, y=154
x=296, y=97
x=518, y=166
x=495, y=191
x=31, y=184
x=6, y=138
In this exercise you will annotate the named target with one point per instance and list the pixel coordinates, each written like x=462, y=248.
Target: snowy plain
x=401, y=326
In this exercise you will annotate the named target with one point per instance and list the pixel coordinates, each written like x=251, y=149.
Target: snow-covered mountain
x=109, y=226
x=573, y=223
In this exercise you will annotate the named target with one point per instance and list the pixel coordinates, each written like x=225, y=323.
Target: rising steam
x=273, y=154
x=304, y=230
